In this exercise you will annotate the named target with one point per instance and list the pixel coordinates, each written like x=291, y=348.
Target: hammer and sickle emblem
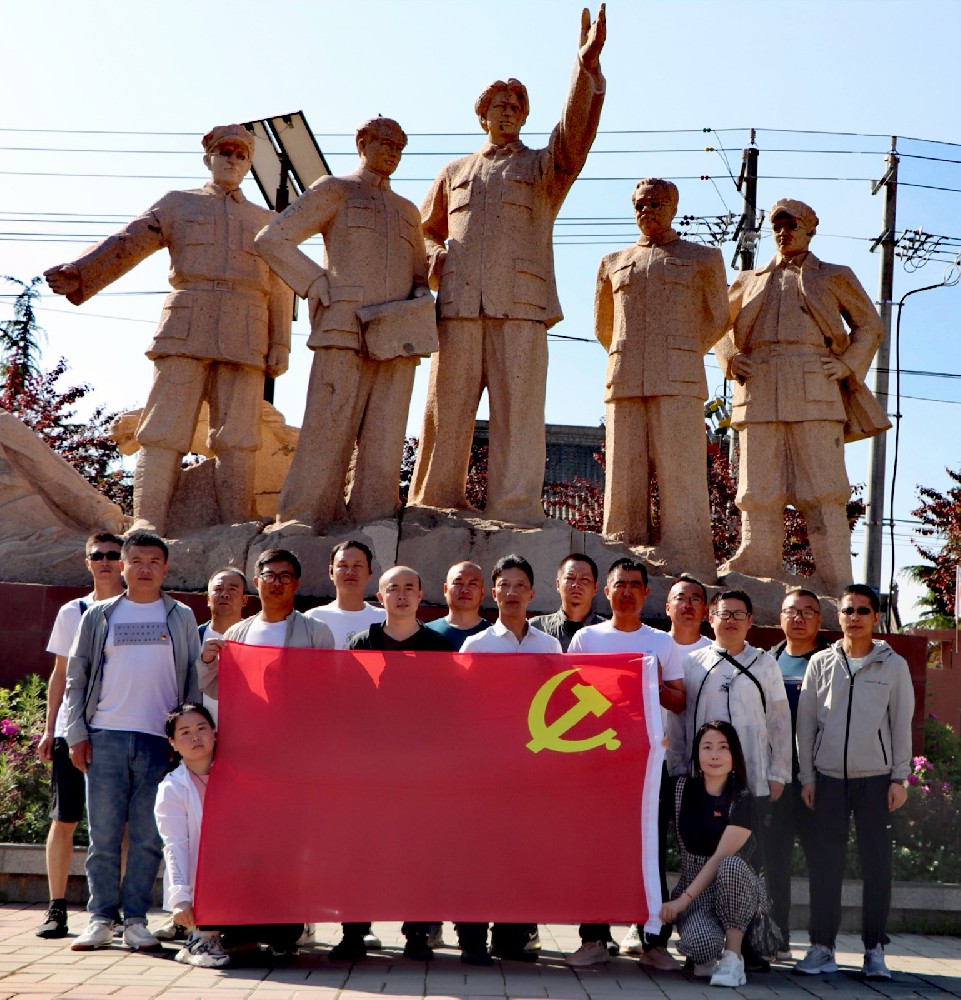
x=590, y=701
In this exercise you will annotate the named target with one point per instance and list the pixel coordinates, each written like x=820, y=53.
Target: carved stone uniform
x=793, y=420
x=658, y=308
x=493, y=214
x=373, y=253
x=226, y=311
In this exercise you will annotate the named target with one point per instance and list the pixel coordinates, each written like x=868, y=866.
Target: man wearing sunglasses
x=854, y=750
x=66, y=781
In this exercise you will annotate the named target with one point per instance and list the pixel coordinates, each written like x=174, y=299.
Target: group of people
x=761, y=746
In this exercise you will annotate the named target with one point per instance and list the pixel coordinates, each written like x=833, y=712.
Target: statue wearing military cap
x=802, y=336
x=225, y=325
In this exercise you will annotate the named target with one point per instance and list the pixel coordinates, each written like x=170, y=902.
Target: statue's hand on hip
x=741, y=367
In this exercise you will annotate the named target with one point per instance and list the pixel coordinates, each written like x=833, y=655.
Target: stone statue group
x=796, y=336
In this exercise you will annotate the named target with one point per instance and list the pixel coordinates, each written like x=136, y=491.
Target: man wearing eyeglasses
x=854, y=751
x=66, y=781
x=800, y=622
x=277, y=577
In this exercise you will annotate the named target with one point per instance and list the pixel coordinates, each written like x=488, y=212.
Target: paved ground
x=43, y=970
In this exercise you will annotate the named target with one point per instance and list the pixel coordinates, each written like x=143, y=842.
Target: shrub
x=24, y=779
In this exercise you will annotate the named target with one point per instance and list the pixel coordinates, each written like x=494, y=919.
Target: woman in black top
x=721, y=888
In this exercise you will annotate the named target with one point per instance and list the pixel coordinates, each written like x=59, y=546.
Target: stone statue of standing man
x=225, y=325
x=802, y=337
x=659, y=307
x=488, y=223
x=359, y=390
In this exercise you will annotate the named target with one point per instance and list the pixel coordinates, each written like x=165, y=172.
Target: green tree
x=38, y=399
x=940, y=517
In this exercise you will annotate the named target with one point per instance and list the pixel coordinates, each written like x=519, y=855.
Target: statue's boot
x=762, y=543
x=830, y=538
x=154, y=482
x=234, y=485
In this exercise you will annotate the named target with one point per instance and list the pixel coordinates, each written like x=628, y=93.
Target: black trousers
x=787, y=818
x=834, y=802
x=506, y=939
x=409, y=928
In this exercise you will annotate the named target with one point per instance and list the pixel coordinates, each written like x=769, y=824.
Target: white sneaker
x=704, y=970
x=589, y=953
x=631, y=943
x=372, y=942
x=820, y=958
x=99, y=934
x=729, y=971
x=874, y=967
x=171, y=931
x=136, y=937
x=309, y=936
x=205, y=951
x=435, y=936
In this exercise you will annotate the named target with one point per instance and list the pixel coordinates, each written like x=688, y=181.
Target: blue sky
x=825, y=84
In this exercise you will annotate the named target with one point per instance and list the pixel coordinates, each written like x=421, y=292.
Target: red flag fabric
x=354, y=786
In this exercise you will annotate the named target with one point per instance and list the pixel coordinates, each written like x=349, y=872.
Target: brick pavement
x=924, y=966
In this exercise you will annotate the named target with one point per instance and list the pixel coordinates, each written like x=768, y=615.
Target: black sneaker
x=481, y=958
x=418, y=950
x=348, y=949
x=54, y=923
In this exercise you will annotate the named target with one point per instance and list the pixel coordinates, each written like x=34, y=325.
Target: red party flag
x=353, y=786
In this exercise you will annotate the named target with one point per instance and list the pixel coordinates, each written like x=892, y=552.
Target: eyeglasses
x=109, y=556
x=268, y=577
x=806, y=613
x=687, y=599
x=726, y=616
x=861, y=612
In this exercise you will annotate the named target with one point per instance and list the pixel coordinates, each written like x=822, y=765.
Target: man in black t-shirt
x=400, y=592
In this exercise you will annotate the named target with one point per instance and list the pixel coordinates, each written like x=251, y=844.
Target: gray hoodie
x=855, y=725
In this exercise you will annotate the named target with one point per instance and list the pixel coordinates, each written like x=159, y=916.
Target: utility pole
x=747, y=232
x=878, y=454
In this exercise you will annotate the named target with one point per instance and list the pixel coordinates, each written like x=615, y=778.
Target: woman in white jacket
x=179, y=811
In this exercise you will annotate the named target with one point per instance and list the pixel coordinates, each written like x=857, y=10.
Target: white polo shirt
x=498, y=639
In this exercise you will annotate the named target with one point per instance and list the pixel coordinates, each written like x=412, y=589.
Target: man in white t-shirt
x=351, y=569
x=132, y=662
x=66, y=782
x=626, y=591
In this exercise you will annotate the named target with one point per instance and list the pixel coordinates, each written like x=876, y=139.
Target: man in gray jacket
x=854, y=753
x=131, y=663
x=277, y=577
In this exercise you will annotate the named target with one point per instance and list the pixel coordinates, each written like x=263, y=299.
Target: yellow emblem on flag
x=589, y=701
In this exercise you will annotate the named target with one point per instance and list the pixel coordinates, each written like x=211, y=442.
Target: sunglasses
x=862, y=612
x=109, y=556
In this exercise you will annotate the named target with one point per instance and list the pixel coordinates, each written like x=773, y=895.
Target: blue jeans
x=122, y=781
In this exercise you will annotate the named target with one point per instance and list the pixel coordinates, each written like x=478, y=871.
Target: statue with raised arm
x=659, y=307
x=371, y=320
x=802, y=334
x=225, y=325
x=488, y=224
